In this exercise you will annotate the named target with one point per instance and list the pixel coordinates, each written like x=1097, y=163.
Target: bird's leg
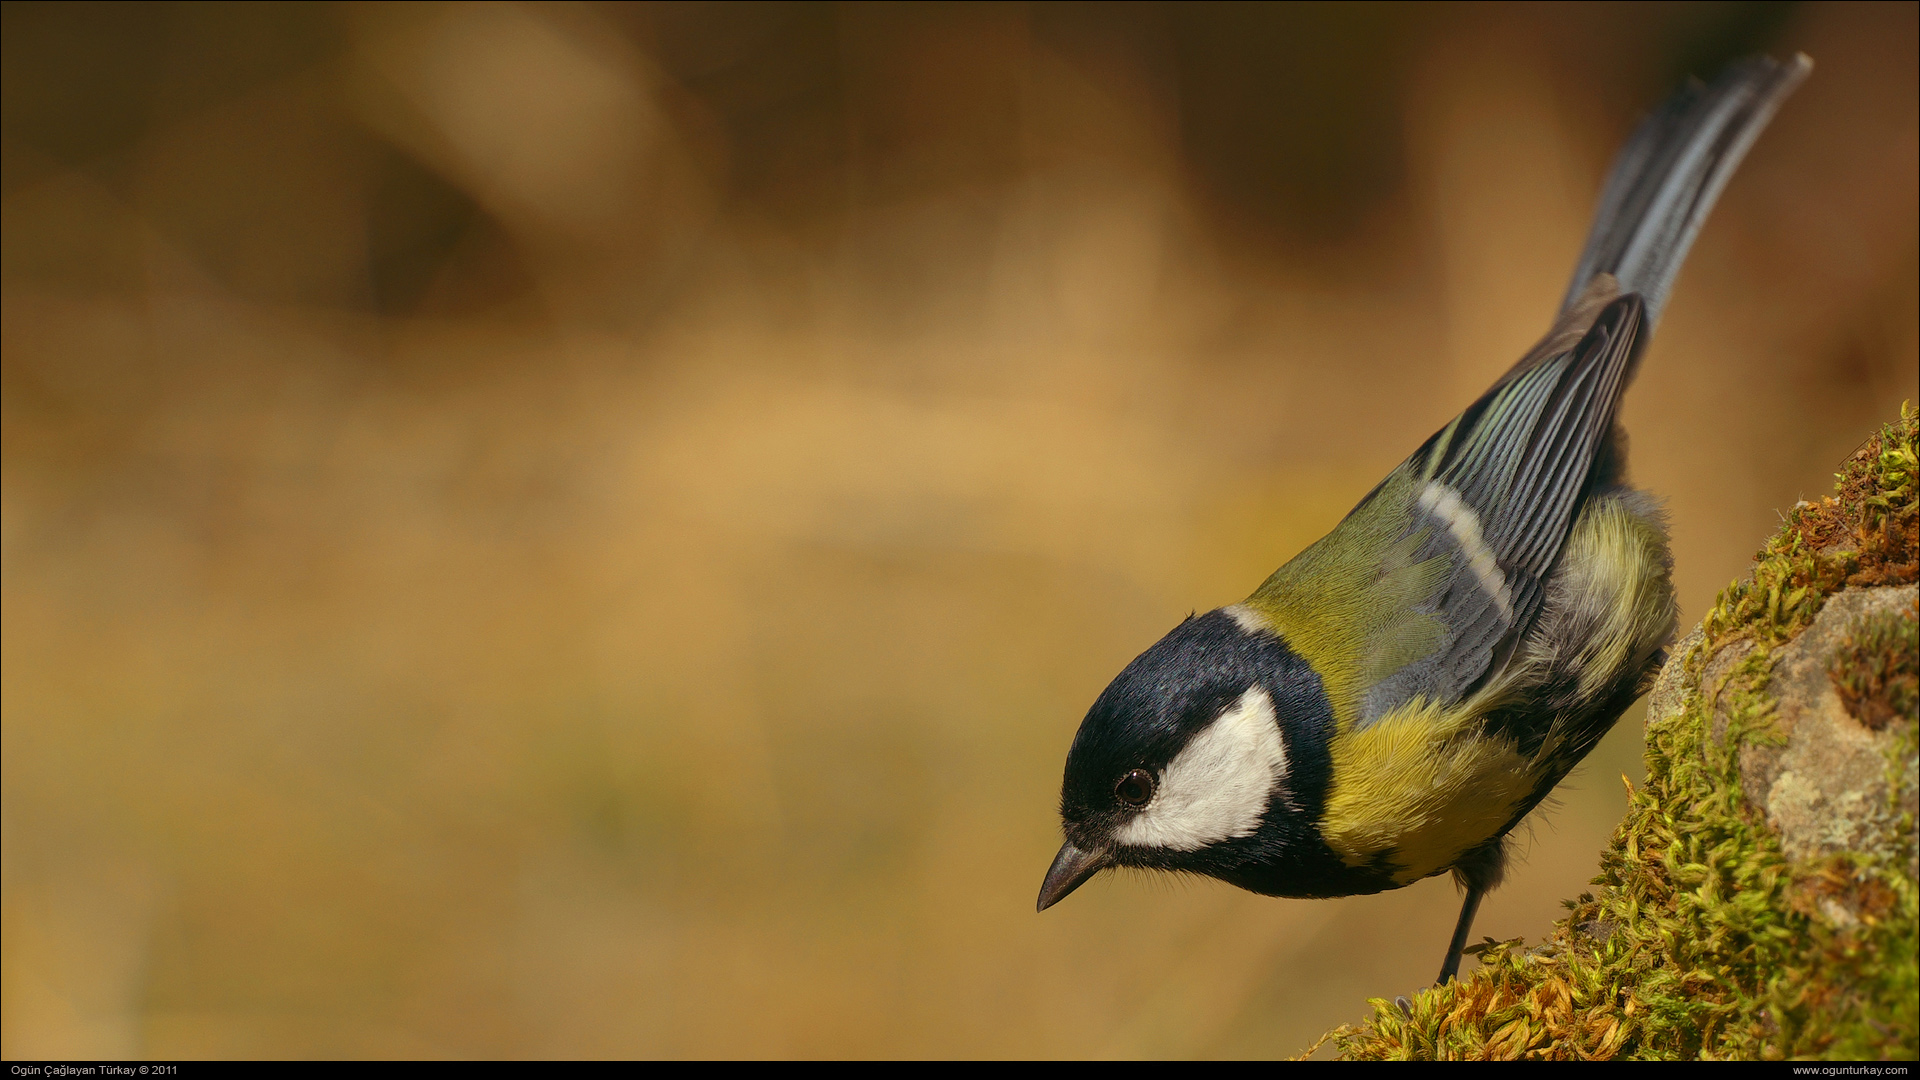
x=1460, y=930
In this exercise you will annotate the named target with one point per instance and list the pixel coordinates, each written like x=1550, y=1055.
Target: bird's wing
x=1432, y=581
x=1429, y=584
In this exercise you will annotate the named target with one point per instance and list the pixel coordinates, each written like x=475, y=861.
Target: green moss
x=1861, y=535
x=1703, y=940
x=1878, y=672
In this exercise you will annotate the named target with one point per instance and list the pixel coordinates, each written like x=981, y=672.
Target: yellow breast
x=1422, y=788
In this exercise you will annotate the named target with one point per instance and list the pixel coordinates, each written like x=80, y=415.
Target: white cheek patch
x=1217, y=787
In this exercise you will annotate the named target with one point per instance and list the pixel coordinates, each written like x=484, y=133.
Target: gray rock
x=1825, y=790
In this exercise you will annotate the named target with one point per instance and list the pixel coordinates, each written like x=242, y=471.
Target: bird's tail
x=1667, y=177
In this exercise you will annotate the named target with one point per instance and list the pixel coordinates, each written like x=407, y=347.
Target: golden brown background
x=587, y=530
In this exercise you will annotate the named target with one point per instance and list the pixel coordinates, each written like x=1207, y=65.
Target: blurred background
x=587, y=530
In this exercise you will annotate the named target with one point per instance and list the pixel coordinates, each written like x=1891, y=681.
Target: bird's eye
x=1135, y=788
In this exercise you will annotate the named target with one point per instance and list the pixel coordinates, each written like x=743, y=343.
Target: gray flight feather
x=1496, y=492
x=1666, y=179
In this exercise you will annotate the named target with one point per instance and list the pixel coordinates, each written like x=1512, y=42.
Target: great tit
x=1392, y=702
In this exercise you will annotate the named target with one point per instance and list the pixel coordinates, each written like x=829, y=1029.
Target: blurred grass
x=587, y=530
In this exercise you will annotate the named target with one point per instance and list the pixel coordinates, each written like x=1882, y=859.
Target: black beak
x=1070, y=869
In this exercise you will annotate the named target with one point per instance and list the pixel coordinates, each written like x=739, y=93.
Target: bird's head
x=1206, y=755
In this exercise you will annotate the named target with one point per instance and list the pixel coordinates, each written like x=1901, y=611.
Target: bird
x=1393, y=701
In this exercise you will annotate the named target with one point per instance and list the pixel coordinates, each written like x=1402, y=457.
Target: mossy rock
x=1759, y=899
